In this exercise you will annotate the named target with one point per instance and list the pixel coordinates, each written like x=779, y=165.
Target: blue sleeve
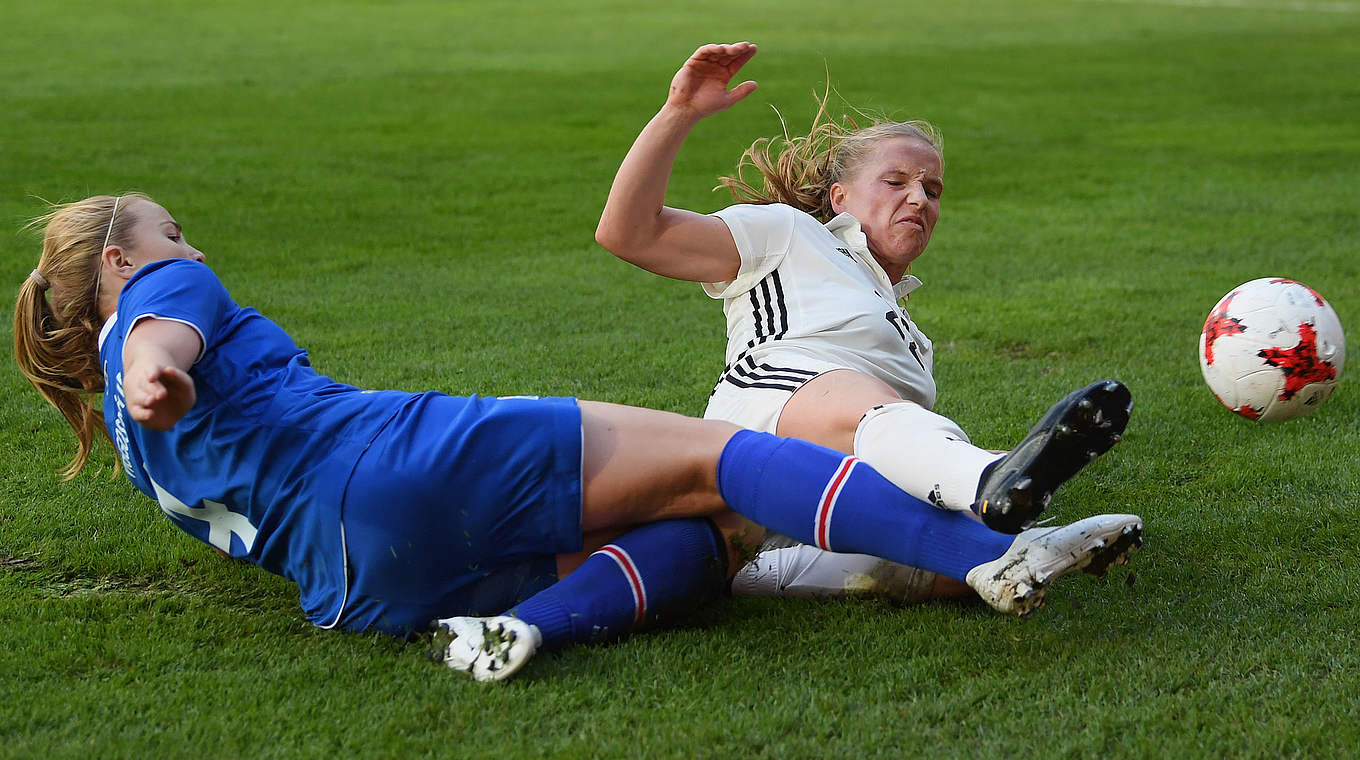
x=180, y=290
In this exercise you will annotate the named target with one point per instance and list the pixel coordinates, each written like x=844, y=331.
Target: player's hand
x=158, y=396
x=700, y=86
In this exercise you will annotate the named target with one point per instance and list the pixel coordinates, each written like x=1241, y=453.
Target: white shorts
x=754, y=397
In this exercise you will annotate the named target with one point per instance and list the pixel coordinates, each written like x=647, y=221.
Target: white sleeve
x=762, y=234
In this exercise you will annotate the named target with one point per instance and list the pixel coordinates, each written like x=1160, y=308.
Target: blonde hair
x=800, y=170
x=56, y=317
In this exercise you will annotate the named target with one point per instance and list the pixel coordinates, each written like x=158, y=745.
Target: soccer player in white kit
x=812, y=273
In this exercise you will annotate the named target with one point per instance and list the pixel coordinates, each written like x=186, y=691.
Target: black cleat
x=1086, y=423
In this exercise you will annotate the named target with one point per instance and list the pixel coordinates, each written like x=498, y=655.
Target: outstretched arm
x=156, y=360
x=636, y=224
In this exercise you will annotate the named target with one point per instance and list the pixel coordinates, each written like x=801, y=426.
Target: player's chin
x=911, y=243
x=908, y=253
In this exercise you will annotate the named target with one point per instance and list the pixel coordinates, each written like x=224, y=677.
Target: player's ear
x=837, y=197
x=116, y=261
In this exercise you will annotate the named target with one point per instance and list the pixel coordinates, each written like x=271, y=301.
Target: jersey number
x=222, y=522
x=895, y=319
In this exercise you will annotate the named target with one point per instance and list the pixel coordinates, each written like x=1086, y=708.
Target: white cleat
x=489, y=649
x=1015, y=582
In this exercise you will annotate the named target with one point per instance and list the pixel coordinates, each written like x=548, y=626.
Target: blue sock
x=838, y=503
x=647, y=576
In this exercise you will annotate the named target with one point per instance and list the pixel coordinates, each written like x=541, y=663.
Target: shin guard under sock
x=838, y=503
x=923, y=453
x=649, y=575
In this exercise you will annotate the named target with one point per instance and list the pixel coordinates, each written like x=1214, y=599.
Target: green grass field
x=411, y=189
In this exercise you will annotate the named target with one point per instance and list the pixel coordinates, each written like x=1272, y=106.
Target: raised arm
x=636, y=225
x=156, y=383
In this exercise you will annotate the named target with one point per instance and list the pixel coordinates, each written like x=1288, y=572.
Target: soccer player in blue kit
x=516, y=523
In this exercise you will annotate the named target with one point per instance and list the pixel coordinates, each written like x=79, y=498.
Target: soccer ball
x=1272, y=350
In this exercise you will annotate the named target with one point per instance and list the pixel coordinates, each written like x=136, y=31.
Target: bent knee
x=908, y=415
x=827, y=409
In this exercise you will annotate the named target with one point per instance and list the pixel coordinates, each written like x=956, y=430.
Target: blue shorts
x=459, y=507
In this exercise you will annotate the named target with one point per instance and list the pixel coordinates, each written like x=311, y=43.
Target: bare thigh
x=827, y=409
x=641, y=465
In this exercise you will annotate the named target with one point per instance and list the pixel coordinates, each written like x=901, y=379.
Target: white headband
x=99, y=263
x=112, y=216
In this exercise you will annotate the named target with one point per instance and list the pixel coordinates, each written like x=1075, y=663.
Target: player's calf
x=787, y=568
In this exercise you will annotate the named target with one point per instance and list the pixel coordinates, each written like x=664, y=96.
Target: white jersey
x=809, y=298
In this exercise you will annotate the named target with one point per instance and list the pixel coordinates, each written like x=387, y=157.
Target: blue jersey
x=258, y=468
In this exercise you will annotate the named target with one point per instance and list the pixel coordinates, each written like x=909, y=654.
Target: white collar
x=106, y=329
x=846, y=228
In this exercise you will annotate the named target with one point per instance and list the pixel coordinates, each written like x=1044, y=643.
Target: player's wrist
x=681, y=115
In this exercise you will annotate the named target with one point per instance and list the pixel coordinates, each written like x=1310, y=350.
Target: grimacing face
x=895, y=195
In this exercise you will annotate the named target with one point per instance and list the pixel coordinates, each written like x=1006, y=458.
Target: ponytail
x=57, y=319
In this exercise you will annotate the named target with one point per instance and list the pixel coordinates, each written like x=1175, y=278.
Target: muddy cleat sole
x=1016, y=582
x=1086, y=423
x=488, y=649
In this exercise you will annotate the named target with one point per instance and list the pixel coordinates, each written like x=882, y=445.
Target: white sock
x=923, y=453
x=806, y=571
